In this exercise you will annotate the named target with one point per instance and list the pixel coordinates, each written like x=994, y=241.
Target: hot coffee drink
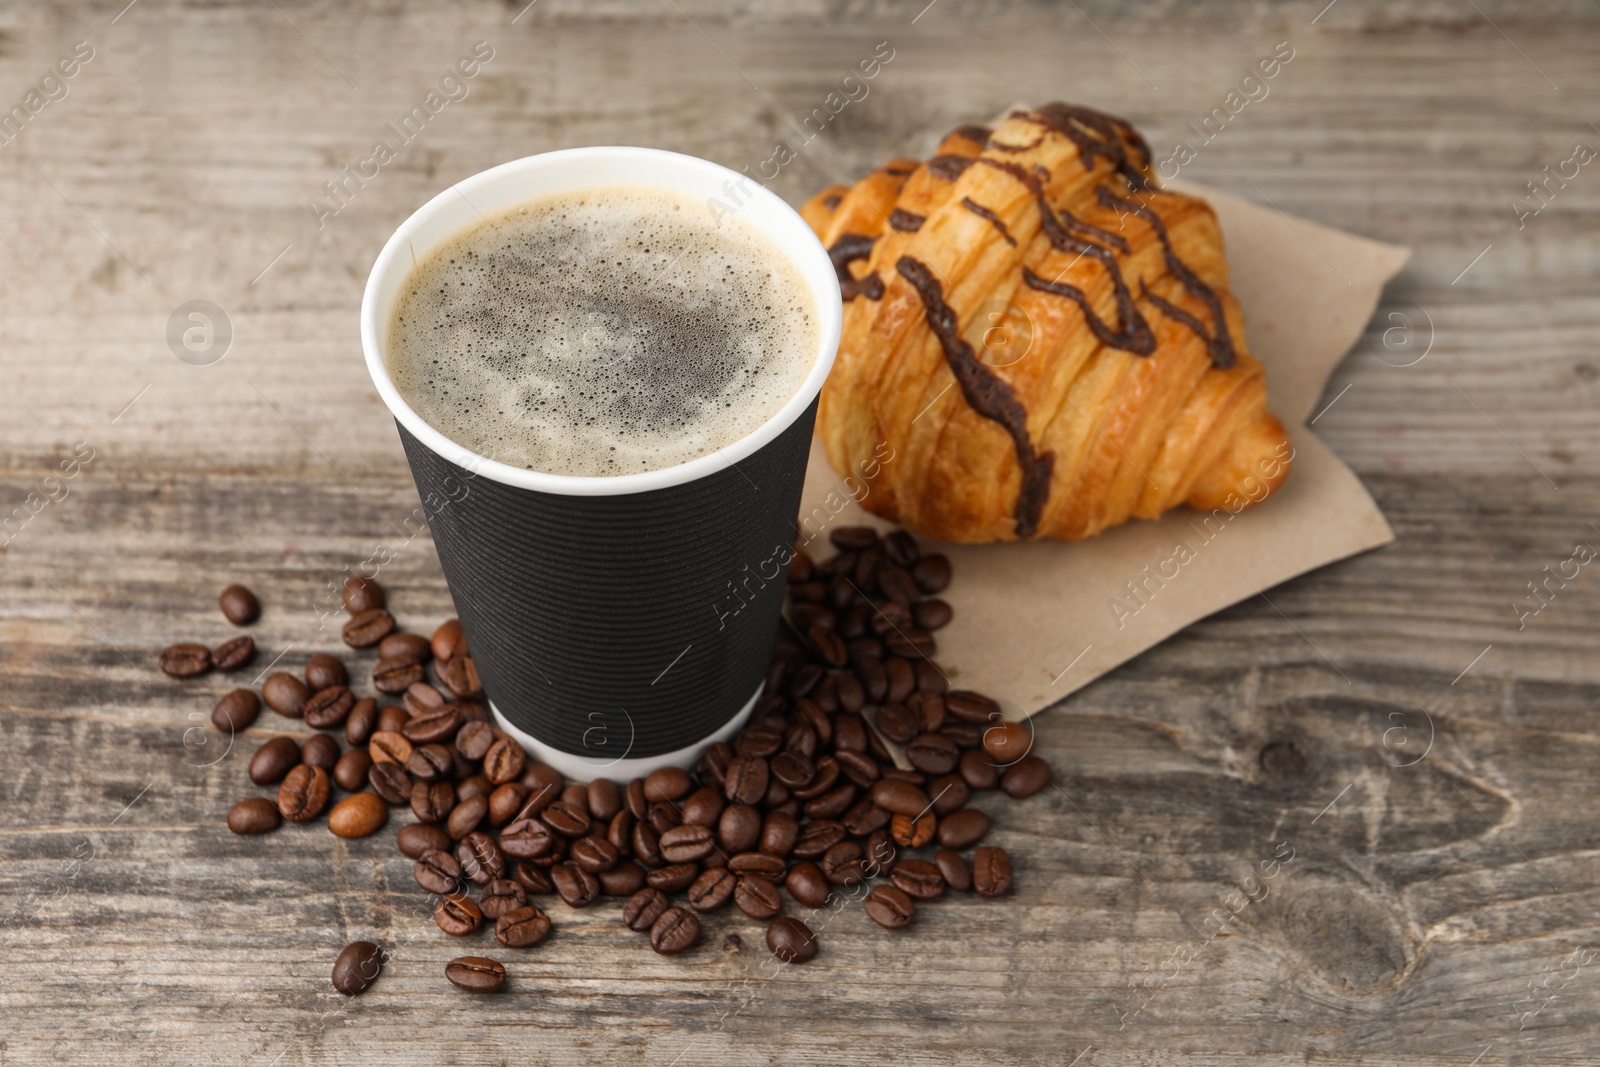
x=606, y=331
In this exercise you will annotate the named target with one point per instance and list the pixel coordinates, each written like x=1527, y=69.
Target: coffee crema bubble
x=605, y=331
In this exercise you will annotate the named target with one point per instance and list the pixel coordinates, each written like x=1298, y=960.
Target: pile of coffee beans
x=854, y=772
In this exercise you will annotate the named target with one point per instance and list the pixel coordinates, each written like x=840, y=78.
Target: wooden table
x=1441, y=909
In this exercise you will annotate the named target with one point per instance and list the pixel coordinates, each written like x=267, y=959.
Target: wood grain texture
x=1441, y=902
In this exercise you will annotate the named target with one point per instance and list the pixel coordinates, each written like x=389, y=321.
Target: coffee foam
x=608, y=331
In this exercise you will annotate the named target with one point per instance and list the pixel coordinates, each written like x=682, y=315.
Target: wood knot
x=1285, y=761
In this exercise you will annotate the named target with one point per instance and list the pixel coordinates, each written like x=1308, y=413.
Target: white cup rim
x=574, y=168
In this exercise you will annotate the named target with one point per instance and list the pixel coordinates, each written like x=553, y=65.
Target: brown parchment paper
x=1033, y=622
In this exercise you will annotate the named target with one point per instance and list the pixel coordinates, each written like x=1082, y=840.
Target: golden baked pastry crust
x=1038, y=341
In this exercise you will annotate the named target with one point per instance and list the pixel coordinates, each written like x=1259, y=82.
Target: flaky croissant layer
x=1042, y=340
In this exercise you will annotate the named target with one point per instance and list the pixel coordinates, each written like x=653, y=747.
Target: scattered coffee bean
x=932, y=573
x=391, y=782
x=320, y=750
x=461, y=675
x=457, y=914
x=889, y=907
x=304, y=793
x=504, y=761
x=1026, y=777
x=396, y=645
x=253, y=815
x=273, y=760
x=356, y=967
x=522, y=927
x=285, y=694
x=901, y=798
x=466, y=816
x=758, y=897
x=430, y=801
x=712, y=890
x=500, y=897
x=577, y=886
x=675, y=931
x=324, y=671
x=961, y=829
x=234, y=653
x=386, y=746
x=791, y=940
x=419, y=837
x=476, y=974
x=358, y=815
x=398, y=674
x=437, y=871
x=623, y=880
x=328, y=707
x=361, y=594
x=367, y=628
x=239, y=605
x=350, y=772
x=991, y=871
x=236, y=711
x=448, y=640
x=918, y=879
x=185, y=660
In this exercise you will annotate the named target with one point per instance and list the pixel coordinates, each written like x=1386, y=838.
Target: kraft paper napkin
x=1034, y=622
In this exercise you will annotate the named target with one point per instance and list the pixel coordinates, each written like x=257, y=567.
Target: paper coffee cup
x=619, y=624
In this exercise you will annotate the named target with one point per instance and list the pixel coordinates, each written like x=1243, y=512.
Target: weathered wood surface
x=1441, y=902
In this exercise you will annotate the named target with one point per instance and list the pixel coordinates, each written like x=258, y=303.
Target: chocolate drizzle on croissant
x=845, y=251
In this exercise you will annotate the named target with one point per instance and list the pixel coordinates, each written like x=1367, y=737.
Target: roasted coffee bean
x=758, y=740
x=675, y=931
x=594, y=854
x=704, y=807
x=566, y=819
x=967, y=706
x=320, y=750
x=829, y=646
x=1026, y=777
x=466, y=816
x=860, y=768
x=480, y=857
x=431, y=763
x=793, y=769
x=918, y=879
x=805, y=617
x=416, y=838
x=357, y=965
x=979, y=771
x=185, y=660
x=746, y=781
x=576, y=795
x=366, y=628
x=674, y=878
x=504, y=761
x=328, y=707
x=826, y=777
x=961, y=829
x=285, y=694
x=932, y=573
x=474, y=738
x=475, y=974
x=799, y=739
x=577, y=886
x=879, y=855
x=712, y=890
x=501, y=896
x=448, y=641
x=457, y=914
x=791, y=940
x=397, y=645
x=473, y=785
x=667, y=783
x=620, y=832
x=505, y=802
x=757, y=896
x=239, y=605
x=388, y=747
x=868, y=563
x=534, y=879
x=900, y=547
x=739, y=828
x=897, y=723
x=361, y=594
x=932, y=753
x=605, y=799
x=826, y=694
x=897, y=584
x=391, y=782
x=874, y=678
x=912, y=832
x=253, y=815
x=420, y=697
x=644, y=908
x=647, y=845
x=324, y=671
x=878, y=749
x=930, y=679
x=521, y=927
x=991, y=871
x=358, y=815
x=461, y=675
x=833, y=803
x=932, y=614
x=526, y=839
x=304, y=793
x=910, y=643
x=687, y=843
x=950, y=792
x=234, y=653
x=544, y=789
x=236, y=711
x=391, y=720
x=361, y=721
x=841, y=864
x=432, y=801
x=902, y=680
x=398, y=674
x=853, y=538
x=927, y=710
x=807, y=884
x=778, y=834
x=890, y=907
x=864, y=817
x=816, y=837
x=955, y=871
x=901, y=798
x=841, y=590
x=805, y=680
x=623, y=880
x=435, y=726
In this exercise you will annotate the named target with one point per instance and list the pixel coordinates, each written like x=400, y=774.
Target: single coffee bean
x=285, y=694
x=304, y=793
x=918, y=879
x=911, y=643
x=901, y=798
x=791, y=940
x=351, y=769
x=849, y=734
x=1026, y=777
x=991, y=871
x=644, y=908
x=825, y=779
x=879, y=855
x=757, y=896
x=852, y=695
x=320, y=750
x=473, y=785
x=933, y=753
x=430, y=801
x=535, y=879
x=391, y=782
x=955, y=871
x=504, y=761
x=361, y=594
x=358, y=815
x=704, y=807
x=526, y=839
x=623, y=880
x=687, y=843
x=762, y=863
x=522, y=927
x=967, y=706
x=712, y=890
x=979, y=771
x=667, y=783
x=500, y=896
x=274, y=759
x=421, y=697
x=448, y=641
x=480, y=857
x=897, y=723
x=605, y=799
x=841, y=864
x=675, y=877
x=961, y=829
x=873, y=676
x=328, y=707
x=576, y=794
x=675, y=931
x=897, y=584
x=505, y=801
x=434, y=726
x=236, y=711
x=461, y=675
x=793, y=769
x=466, y=816
x=909, y=832
x=361, y=722
x=816, y=837
x=391, y=720
x=398, y=674
x=801, y=740
x=239, y=605
x=647, y=845
x=928, y=708
x=779, y=831
x=475, y=974
x=712, y=767
x=324, y=671
x=859, y=767
x=902, y=680
x=437, y=871
x=567, y=819
x=890, y=907
x=185, y=660
x=833, y=803
x=253, y=815
x=864, y=817
x=950, y=792
x=357, y=965
x=473, y=739
x=397, y=645
x=594, y=854
x=932, y=573
x=457, y=914
x=853, y=538
x=829, y=646
x=416, y=838
x=620, y=832
x=234, y=653
x=577, y=886
x=932, y=614
x=431, y=763
x=739, y=828
x=366, y=628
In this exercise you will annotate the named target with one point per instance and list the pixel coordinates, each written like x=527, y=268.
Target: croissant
x=1038, y=340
